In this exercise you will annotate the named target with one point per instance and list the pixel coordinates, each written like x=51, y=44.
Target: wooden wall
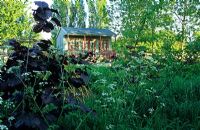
x=95, y=44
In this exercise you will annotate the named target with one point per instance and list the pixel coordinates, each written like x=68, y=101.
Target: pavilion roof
x=88, y=32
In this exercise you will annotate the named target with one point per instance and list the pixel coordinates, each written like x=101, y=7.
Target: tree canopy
x=14, y=20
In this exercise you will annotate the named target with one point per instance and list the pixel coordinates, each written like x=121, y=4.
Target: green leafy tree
x=141, y=19
x=94, y=18
x=187, y=14
x=79, y=15
x=73, y=13
x=14, y=20
x=103, y=19
x=63, y=7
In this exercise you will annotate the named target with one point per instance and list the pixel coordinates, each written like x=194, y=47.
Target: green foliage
x=29, y=97
x=63, y=6
x=14, y=20
x=142, y=18
x=163, y=94
x=73, y=14
x=152, y=84
x=102, y=14
x=192, y=51
x=187, y=14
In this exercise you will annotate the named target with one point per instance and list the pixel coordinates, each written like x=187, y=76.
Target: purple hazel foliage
x=43, y=18
x=21, y=81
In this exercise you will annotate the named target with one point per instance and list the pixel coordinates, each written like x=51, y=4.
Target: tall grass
x=171, y=101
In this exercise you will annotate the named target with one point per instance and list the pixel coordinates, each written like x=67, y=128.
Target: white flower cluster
x=36, y=71
x=134, y=112
x=150, y=110
x=103, y=81
x=1, y=100
x=110, y=99
x=107, y=100
x=162, y=104
x=96, y=73
x=128, y=92
x=3, y=127
x=8, y=105
x=104, y=94
x=110, y=126
x=25, y=74
x=112, y=86
x=11, y=118
x=98, y=101
x=151, y=90
x=43, y=83
x=117, y=66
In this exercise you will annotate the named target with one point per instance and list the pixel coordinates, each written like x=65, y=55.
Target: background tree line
x=14, y=20
x=145, y=21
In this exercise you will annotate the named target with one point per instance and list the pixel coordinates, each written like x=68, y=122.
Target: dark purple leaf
x=48, y=97
x=83, y=75
x=36, y=13
x=42, y=14
x=56, y=21
x=46, y=41
x=14, y=43
x=49, y=25
x=85, y=78
x=76, y=82
x=36, y=17
x=17, y=97
x=30, y=121
x=55, y=11
x=36, y=49
x=46, y=29
x=41, y=4
x=71, y=100
x=47, y=12
x=51, y=118
x=78, y=71
x=11, y=83
x=38, y=27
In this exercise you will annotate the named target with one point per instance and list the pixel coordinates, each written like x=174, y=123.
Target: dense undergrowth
x=146, y=92
x=141, y=89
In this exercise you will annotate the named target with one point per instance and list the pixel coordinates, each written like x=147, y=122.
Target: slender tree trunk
x=184, y=24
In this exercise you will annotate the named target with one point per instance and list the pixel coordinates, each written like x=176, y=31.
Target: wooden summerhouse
x=77, y=40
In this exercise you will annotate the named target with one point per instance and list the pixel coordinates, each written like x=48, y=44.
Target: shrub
x=34, y=81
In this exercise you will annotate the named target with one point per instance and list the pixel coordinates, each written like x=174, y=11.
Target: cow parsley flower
x=162, y=104
x=151, y=110
x=112, y=86
x=3, y=127
x=110, y=126
x=1, y=100
x=104, y=94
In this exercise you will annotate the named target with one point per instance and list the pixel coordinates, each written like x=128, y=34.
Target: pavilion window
x=94, y=44
x=76, y=45
x=100, y=44
x=80, y=44
x=107, y=45
x=88, y=44
x=69, y=48
x=84, y=42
